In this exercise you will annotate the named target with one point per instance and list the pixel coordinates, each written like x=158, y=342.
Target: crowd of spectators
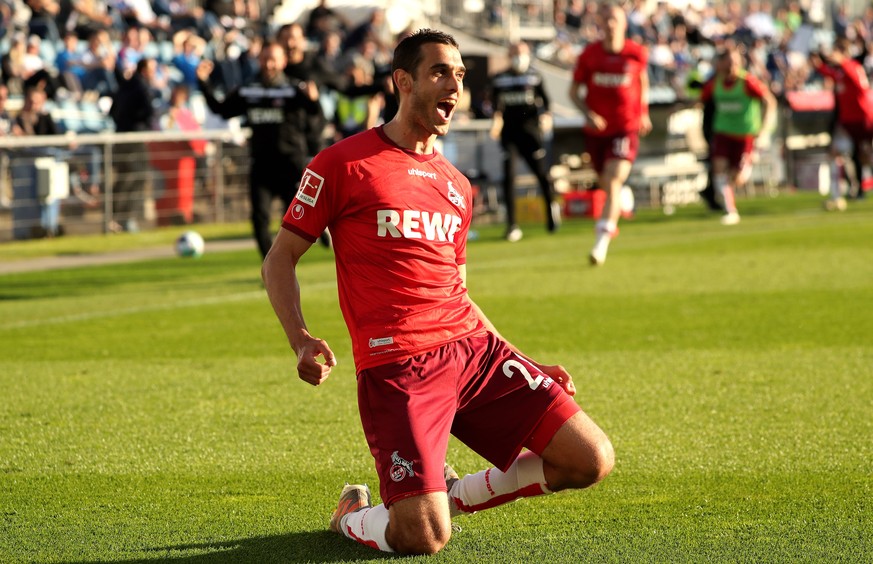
x=84, y=48
x=777, y=35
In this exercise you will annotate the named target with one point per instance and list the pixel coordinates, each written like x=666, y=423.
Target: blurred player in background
x=428, y=361
x=854, y=115
x=616, y=109
x=521, y=116
x=738, y=117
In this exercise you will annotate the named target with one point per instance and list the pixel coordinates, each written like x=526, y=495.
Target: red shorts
x=476, y=389
x=736, y=150
x=602, y=149
x=860, y=132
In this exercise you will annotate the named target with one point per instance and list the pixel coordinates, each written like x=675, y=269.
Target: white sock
x=490, y=488
x=367, y=527
x=725, y=192
x=835, y=181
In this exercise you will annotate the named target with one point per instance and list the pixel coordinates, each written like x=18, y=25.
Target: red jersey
x=614, y=88
x=851, y=89
x=399, y=223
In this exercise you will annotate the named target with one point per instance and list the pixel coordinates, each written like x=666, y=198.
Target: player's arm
x=233, y=104
x=555, y=371
x=279, y=273
x=758, y=89
x=594, y=120
x=645, y=120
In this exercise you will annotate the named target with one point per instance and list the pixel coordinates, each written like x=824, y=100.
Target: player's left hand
x=560, y=375
x=645, y=125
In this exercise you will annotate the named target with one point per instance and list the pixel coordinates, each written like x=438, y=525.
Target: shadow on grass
x=314, y=546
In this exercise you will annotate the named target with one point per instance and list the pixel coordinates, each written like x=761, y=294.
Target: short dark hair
x=407, y=54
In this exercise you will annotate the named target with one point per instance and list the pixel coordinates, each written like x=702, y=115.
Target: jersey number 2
x=509, y=368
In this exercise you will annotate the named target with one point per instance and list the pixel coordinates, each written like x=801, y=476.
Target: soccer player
x=616, y=109
x=854, y=113
x=521, y=114
x=428, y=360
x=737, y=97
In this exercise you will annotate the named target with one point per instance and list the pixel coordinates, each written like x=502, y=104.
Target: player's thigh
x=579, y=454
x=419, y=524
x=615, y=173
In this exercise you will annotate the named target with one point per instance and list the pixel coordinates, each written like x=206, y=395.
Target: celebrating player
x=738, y=118
x=521, y=114
x=616, y=109
x=428, y=361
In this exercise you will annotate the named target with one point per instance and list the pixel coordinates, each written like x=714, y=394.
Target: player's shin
x=367, y=527
x=490, y=488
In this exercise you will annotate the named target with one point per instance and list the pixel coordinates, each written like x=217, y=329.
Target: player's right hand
x=309, y=369
x=596, y=120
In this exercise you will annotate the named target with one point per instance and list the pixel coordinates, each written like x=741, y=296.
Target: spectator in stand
x=68, y=62
x=355, y=114
x=324, y=20
x=133, y=109
x=759, y=20
x=7, y=128
x=34, y=120
x=302, y=66
x=573, y=15
x=188, y=48
x=12, y=64
x=662, y=63
x=224, y=15
x=139, y=13
x=7, y=124
x=42, y=19
x=88, y=16
x=99, y=64
x=738, y=119
x=374, y=28
x=182, y=14
x=131, y=51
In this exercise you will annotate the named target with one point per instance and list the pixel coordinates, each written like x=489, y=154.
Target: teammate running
x=737, y=97
x=616, y=109
x=428, y=361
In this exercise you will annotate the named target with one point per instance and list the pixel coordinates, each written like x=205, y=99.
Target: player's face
x=436, y=88
x=615, y=21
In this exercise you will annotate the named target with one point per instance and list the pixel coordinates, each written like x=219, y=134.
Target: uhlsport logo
x=400, y=468
x=297, y=211
x=310, y=187
x=456, y=198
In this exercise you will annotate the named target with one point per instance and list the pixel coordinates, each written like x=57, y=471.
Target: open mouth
x=446, y=107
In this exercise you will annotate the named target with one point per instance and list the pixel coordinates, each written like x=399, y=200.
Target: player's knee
x=427, y=535
x=591, y=464
x=602, y=460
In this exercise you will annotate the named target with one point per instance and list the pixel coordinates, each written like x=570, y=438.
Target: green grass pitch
x=150, y=411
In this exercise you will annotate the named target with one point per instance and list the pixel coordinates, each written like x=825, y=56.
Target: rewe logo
x=414, y=224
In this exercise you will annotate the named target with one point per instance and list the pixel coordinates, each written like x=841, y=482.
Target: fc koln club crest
x=400, y=468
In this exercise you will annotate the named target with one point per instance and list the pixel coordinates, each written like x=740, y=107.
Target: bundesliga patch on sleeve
x=310, y=187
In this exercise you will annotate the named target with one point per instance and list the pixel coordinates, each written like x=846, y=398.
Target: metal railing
x=108, y=182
